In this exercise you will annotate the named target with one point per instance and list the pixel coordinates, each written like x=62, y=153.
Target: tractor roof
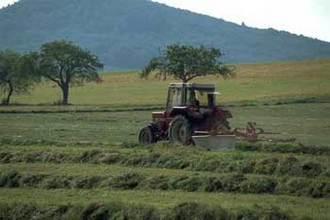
x=193, y=85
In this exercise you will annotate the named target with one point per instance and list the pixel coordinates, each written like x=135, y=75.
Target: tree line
x=61, y=62
x=67, y=65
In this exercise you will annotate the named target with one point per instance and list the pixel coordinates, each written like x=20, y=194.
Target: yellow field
x=257, y=82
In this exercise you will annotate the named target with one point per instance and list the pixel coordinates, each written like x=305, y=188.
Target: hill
x=127, y=33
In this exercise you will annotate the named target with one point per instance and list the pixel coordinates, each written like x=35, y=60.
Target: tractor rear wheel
x=146, y=136
x=180, y=131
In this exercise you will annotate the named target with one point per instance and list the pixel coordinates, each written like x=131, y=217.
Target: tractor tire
x=146, y=136
x=180, y=131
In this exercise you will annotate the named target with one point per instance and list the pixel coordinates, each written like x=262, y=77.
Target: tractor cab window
x=174, y=97
x=191, y=97
x=211, y=100
x=201, y=98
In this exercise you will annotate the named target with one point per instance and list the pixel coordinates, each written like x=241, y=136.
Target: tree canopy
x=67, y=65
x=15, y=75
x=187, y=62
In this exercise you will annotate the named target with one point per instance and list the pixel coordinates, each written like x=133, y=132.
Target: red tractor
x=190, y=110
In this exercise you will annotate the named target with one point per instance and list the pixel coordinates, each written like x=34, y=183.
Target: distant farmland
x=253, y=83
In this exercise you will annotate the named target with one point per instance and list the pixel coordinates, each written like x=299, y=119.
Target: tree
x=67, y=65
x=15, y=77
x=187, y=62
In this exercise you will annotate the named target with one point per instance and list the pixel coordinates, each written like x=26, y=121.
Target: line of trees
x=67, y=65
x=13, y=77
x=61, y=62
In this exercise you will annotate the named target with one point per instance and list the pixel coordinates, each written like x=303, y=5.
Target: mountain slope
x=127, y=33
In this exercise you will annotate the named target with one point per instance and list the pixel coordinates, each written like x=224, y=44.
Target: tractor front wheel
x=146, y=136
x=180, y=131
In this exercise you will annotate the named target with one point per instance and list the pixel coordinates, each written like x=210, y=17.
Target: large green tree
x=16, y=75
x=187, y=62
x=67, y=65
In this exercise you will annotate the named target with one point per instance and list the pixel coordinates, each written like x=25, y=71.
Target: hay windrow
x=317, y=188
x=182, y=211
x=283, y=148
x=270, y=165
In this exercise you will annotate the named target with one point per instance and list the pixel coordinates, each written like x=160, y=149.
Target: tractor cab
x=187, y=98
x=191, y=95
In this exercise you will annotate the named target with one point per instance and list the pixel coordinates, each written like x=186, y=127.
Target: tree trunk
x=65, y=91
x=10, y=92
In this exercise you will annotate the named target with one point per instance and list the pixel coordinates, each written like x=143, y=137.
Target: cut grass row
x=283, y=148
x=115, y=177
x=240, y=146
x=115, y=210
x=234, y=204
x=244, y=150
x=179, y=158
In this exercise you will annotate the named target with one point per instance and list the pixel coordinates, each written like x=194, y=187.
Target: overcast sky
x=308, y=17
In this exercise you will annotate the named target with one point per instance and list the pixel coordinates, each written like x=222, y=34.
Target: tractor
x=191, y=109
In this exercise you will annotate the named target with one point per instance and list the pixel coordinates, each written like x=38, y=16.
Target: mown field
x=83, y=161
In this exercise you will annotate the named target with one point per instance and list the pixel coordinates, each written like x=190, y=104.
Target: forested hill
x=127, y=33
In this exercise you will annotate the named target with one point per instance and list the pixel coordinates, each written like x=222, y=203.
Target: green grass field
x=83, y=162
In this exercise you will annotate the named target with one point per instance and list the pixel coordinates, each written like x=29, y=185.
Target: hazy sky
x=6, y=2
x=308, y=17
